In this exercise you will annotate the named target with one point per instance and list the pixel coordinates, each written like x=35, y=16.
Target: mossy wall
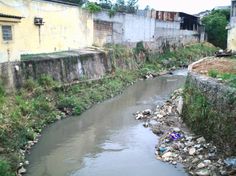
x=64, y=67
x=210, y=110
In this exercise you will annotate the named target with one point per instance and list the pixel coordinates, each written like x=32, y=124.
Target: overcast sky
x=188, y=6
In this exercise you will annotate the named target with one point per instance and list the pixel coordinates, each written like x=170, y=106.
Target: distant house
x=39, y=26
x=232, y=28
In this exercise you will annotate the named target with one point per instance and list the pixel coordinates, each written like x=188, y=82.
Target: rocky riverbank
x=176, y=144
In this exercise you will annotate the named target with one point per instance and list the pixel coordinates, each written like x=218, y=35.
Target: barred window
x=6, y=33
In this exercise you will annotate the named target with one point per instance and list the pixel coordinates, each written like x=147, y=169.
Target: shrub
x=46, y=81
x=92, y=7
x=5, y=169
x=213, y=73
x=2, y=90
x=30, y=84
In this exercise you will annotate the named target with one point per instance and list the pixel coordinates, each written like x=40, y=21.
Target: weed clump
x=5, y=169
x=213, y=73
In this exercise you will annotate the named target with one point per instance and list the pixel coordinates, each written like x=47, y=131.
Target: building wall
x=126, y=28
x=232, y=34
x=129, y=29
x=232, y=28
x=66, y=27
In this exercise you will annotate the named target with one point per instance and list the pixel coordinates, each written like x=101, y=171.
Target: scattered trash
x=177, y=145
x=223, y=53
x=162, y=149
x=175, y=136
x=230, y=161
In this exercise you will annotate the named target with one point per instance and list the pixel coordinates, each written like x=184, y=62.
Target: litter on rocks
x=176, y=144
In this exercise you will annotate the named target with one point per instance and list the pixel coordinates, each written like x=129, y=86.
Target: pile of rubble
x=178, y=145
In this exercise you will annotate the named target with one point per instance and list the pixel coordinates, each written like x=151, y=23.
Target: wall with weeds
x=210, y=110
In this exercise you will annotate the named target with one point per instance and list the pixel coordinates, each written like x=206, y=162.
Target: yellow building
x=232, y=28
x=40, y=26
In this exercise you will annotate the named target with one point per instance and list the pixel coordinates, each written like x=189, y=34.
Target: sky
x=187, y=6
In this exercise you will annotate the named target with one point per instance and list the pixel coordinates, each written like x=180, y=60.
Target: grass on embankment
x=228, y=75
x=24, y=113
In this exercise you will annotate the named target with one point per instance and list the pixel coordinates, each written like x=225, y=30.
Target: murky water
x=106, y=140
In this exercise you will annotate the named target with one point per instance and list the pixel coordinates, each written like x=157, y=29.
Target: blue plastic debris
x=175, y=136
x=162, y=149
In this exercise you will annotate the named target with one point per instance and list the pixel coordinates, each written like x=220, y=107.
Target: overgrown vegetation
x=40, y=102
x=178, y=58
x=228, y=78
x=215, y=24
x=205, y=117
x=92, y=7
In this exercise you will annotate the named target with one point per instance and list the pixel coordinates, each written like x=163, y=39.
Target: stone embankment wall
x=210, y=110
x=65, y=67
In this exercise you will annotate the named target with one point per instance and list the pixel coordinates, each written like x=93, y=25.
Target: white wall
x=130, y=29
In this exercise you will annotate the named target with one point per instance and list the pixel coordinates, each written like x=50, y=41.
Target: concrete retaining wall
x=65, y=67
x=210, y=110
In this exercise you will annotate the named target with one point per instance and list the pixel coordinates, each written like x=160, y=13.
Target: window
x=6, y=33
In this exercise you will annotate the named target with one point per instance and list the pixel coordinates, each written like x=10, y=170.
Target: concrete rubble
x=176, y=144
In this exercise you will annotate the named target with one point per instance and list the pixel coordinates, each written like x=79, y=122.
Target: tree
x=105, y=4
x=129, y=7
x=132, y=6
x=120, y=6
x=215, y=24
x=92, y=7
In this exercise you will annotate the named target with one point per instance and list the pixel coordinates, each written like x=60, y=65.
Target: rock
x=195, y=160
x=145, y=124
x=201, y=140
x=203, y=172
x=176, y=129
x=192, y=151
x=201, y=165
x=22, y=170
x=159, y=116
x=200, y=156
x=180, y=105
x=223, y=172
x=174, y=162
x=189, y=138
x=26, y=162
x=207, y=162
x=147, y=112
x=189, y=144
x=232, y=172
x=157, y=131
x=168, y=156
x=139, y=116
x=1, y=149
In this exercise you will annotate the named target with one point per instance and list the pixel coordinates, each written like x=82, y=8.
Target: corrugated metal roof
x=10, y=16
